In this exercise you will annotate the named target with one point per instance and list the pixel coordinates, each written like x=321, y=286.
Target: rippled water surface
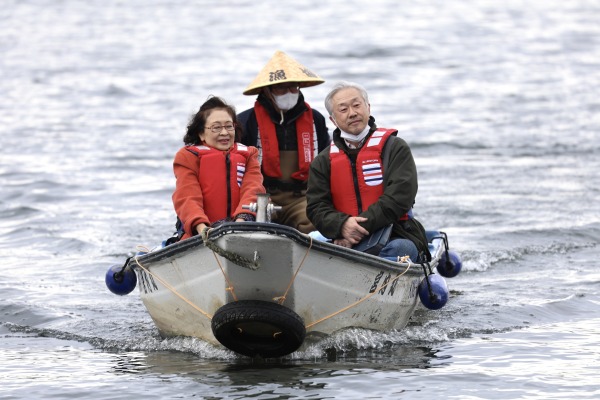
x=498, y=100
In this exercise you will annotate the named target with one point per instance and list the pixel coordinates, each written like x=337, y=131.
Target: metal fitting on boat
x=263, y=207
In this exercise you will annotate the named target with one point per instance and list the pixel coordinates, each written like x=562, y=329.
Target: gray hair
x=343, y=85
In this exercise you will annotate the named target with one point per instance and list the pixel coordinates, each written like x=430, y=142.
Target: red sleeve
x=187, y=197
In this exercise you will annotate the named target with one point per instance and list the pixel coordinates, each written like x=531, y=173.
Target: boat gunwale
x=174, y=249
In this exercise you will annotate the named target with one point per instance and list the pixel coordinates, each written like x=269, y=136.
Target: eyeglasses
x=282, y=89
x=219, y=128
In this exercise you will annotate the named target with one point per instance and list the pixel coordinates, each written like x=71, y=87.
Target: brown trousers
x=293, y=211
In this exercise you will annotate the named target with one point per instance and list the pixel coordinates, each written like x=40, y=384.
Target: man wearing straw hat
x=288, y=134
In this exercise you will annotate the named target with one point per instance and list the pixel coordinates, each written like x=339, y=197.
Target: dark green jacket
x=400, y=189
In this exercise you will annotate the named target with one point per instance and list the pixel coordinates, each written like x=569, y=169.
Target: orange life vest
x=305, y=136
x=354, y=187
x=220, y=176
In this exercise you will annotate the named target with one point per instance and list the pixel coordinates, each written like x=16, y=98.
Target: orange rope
x=403, y=259
x=172, y=289
x=281, y=299
x=229, y=285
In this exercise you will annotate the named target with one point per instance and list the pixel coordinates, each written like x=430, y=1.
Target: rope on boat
x=233, y=257
x=400, y=259
x=172, y=289
x=281, y=299
x=229, y=285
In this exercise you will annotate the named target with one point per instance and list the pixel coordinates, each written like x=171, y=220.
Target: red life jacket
x=220, y=176
x=305, y=136
x=355, y=188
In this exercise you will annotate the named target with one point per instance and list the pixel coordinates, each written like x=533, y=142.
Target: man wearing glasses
x=288, y=134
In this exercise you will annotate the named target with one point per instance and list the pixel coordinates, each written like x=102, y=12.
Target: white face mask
x=352, y=137
x=355, y=138
x=286, y=101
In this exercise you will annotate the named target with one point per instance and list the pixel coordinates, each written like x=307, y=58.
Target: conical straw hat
x=283, y=68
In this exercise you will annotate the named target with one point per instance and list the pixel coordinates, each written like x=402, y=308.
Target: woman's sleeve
x=187, y=197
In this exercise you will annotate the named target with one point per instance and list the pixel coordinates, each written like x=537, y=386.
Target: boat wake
x=426, y=331
x=347, y=343
x=482, y=260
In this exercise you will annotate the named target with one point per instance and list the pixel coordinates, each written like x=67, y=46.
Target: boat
x=263, y=289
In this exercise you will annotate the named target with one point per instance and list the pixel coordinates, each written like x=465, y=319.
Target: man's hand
x=352, y=232
x=343, y=243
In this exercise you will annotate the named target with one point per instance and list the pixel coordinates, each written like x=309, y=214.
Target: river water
x=498, y=100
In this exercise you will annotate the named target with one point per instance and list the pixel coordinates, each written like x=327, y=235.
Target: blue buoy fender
x=433, y=292
x=120, y=279
x=449, y=266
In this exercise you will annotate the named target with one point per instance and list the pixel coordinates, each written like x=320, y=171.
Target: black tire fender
x=258, y=328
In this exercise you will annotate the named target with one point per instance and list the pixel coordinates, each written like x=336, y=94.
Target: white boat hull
x=183, y=285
